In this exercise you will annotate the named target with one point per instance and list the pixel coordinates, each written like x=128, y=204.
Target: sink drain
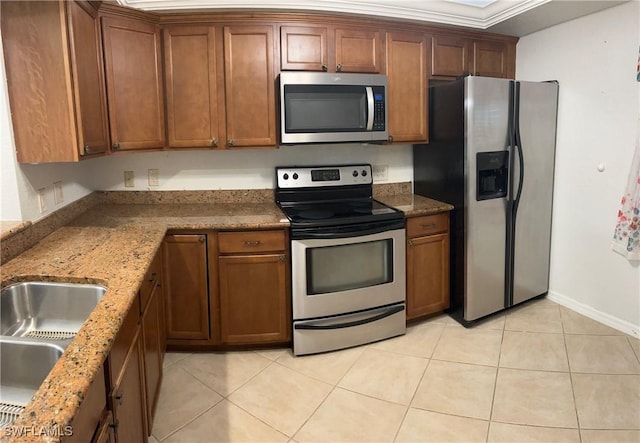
x=8, y=413
x=50, y=335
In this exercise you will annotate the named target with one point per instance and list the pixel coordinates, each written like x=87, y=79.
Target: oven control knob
x=285, y=176
x=355, y=173
x=295, y=176
x=364, y=172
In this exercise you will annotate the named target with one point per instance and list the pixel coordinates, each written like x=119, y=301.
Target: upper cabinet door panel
x=303, y=48
x=90, y=97
x=193, y=103
x=358, y=51
x=450, y=56
x=249, y=86
x=407, y=81
x=134, y=83
x=490, y=58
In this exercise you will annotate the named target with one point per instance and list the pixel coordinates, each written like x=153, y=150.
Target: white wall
x=240, y=169
x=19, y=184
x=594, y=59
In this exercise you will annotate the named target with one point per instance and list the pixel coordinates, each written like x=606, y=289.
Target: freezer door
x=486, y=129
x=537, y=120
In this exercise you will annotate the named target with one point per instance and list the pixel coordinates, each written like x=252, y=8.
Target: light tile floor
x=539, y=373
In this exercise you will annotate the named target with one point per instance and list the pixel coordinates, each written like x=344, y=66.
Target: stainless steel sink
x=24, y=364
x=44, y=310
x=38, y=320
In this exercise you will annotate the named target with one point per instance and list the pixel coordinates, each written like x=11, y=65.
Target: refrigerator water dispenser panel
x=492, y=173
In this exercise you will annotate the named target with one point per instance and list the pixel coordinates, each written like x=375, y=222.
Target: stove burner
x=315, y=214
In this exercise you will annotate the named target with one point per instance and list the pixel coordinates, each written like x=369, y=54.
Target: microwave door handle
x=369, y=90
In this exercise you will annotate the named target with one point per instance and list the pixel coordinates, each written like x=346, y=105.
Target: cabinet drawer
x=149, y=282
x=250, y=241
x=427, y=225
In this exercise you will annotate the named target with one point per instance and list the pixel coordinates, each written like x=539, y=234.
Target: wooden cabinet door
x=449, y=56
x=358, y=51
x=303, y=48
x=254, y=304
x=90, y=94
x=152, y=352
x=490, y=59
x=427, y=275
x=134, y=83
x=186, y=288
x=249, y=86
x=127, y=398
x=407, y=84
x=194, y=81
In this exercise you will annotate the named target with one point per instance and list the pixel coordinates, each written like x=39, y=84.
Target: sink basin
x=24, y=364
x=43, y=310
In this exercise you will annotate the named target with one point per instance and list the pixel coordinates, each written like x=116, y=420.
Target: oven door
x=341, y=275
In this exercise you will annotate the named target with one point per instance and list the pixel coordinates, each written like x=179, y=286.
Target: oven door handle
x=350, y=324
x=345, y=231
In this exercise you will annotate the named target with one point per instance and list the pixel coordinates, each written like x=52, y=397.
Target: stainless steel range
x=348, y=258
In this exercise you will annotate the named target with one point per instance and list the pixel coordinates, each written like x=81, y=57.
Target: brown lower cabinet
x=427, y=265
x=227, y=288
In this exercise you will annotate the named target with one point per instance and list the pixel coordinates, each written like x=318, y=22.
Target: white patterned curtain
x=626, y=239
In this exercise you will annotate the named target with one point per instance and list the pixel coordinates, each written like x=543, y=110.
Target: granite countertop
x=11, y=227
x=113, y=245
x=414, y=205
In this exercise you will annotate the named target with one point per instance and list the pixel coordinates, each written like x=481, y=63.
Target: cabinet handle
x=390, y=138
x=282, y=258
x=428, y=225
x=410, y=243
x=153, y=277
x=119, y=398
x=339, y=67
x=115, y=146
x=214, y=142
x=115, y=424
x=87, y=149
x=252, y=242
x=325, y=67
x=202, y=239
x=230, y=142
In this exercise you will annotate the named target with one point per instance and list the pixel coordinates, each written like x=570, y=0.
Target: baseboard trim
x=594, y=314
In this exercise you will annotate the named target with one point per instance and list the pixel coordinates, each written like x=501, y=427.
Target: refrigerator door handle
x=518, y=142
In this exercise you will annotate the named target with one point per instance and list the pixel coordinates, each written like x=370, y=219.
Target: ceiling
x=510, y=17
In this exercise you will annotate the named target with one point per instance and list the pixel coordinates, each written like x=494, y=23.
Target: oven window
x=353, y=266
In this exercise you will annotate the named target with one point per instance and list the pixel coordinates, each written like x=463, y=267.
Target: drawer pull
x=410, y=242
x=282, y=258
x=252, y=243
x=153, y=277
x=202, y=239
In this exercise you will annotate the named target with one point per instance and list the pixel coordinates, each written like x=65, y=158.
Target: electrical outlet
x=41, y=199
x=128, y=179
x=380, y=173
x=154, y=177
x=58, y=196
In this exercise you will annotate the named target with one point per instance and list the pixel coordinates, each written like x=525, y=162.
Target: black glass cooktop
x=338, y=212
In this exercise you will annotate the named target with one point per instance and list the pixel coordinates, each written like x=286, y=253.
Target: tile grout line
x=404, y=417
x=573, y=391
x=495, y=382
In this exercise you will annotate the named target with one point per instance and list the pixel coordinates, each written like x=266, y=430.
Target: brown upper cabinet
x=407, y=84
x=249, y=80
x=194, y=84
x=134, y=83
x=318, y=48
x=453, y=56
x=55, y=77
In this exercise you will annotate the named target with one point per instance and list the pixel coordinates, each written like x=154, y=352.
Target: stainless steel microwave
x=322, y=107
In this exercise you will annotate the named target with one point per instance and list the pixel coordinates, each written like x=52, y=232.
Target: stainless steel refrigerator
x=491, y=155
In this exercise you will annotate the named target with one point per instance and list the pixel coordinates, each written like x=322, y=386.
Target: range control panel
x=312, y=177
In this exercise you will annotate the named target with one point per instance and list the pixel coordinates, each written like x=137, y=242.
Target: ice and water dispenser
x=492, y=173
